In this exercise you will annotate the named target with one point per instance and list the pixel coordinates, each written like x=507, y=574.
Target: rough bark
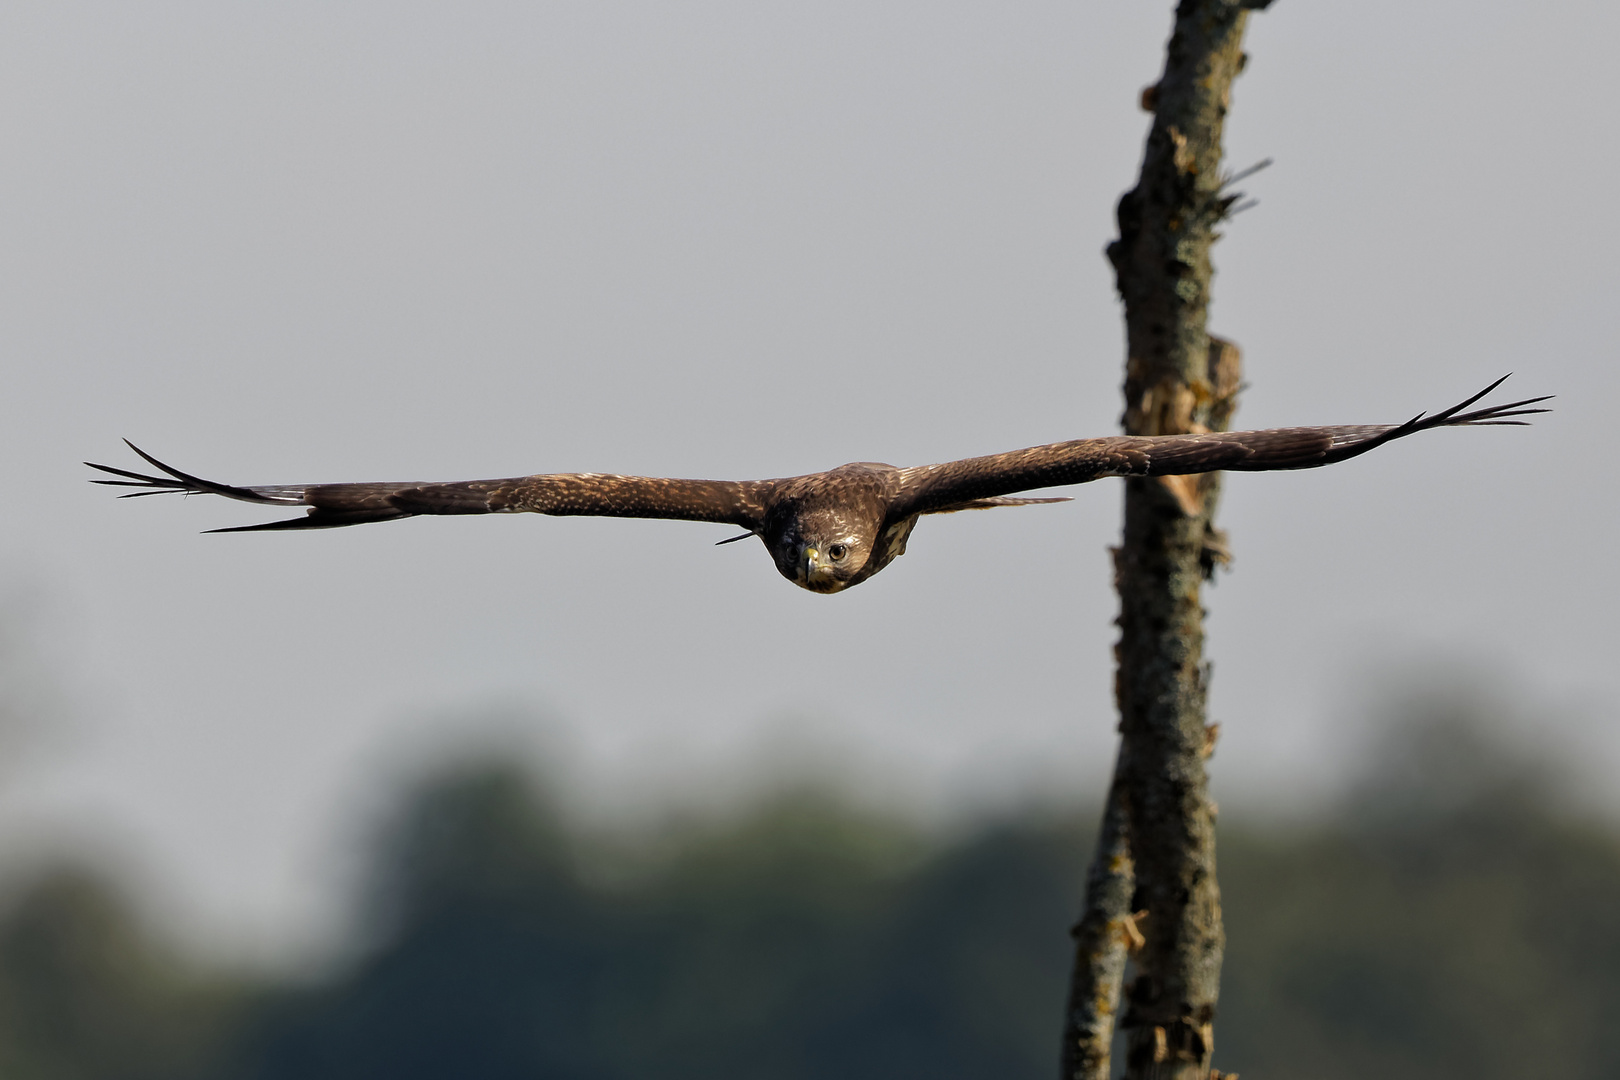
x=1158, y=833
x=1102, y=938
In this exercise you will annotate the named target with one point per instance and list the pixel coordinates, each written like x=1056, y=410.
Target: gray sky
x=305, y=242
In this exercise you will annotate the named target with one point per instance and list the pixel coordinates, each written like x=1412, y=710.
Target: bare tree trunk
x=1101, y=940
x=1152, y=889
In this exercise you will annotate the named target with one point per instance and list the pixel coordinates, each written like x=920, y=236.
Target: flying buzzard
x=830, y=530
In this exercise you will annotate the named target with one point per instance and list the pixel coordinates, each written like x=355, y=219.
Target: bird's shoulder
x=856, y=481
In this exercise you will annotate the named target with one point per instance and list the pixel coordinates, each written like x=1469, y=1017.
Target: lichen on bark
x=1157, y=843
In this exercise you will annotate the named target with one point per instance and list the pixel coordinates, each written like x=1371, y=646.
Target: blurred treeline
x=1450, y=919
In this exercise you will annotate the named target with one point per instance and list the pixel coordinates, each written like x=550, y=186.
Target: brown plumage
x=830, y=530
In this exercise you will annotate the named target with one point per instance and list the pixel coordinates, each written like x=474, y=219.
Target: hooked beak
x=816, y=572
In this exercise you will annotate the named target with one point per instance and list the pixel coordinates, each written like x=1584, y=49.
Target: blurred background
x=249, y=820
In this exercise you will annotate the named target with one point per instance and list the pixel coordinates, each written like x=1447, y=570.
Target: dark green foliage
x=1448, y=923
x=1453, y=926
x=800, y=942
x=84, y=996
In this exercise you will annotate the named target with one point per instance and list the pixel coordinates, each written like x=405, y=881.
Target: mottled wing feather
x=730, y=502
x=930, y=488
x=562, y=494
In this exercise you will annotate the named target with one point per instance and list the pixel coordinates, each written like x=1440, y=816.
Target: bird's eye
x=837, y=552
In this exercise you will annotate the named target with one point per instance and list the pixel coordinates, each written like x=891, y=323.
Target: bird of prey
x=828, y=531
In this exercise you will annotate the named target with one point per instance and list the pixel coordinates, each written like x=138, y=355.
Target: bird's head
x=822, y=552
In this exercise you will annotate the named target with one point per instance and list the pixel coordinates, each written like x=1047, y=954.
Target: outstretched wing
x=561, y=494
x=928, y=488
